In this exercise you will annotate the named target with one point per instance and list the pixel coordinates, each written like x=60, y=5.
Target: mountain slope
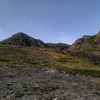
x=23, y=40
x=58, y=45
x=87, y=44
x=12, y=55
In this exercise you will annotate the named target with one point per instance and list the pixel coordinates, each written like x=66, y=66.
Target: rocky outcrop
x=87, y=44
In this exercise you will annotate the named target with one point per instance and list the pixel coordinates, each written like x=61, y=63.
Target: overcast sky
x=50, y=20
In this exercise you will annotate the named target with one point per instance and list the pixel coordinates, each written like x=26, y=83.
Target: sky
x=56, y=21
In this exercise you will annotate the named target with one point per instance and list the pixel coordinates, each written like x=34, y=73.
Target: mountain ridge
x=88, y=44
x=23, y=39
x=37, y=55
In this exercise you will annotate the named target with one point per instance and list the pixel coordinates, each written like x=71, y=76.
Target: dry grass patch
x=11, y=75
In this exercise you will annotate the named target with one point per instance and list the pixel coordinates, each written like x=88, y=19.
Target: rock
x=87, y=44
x=61, y=86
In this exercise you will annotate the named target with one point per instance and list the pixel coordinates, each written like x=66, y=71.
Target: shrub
x=19, y=94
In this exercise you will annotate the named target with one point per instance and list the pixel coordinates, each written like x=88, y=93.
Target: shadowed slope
x=23, y=40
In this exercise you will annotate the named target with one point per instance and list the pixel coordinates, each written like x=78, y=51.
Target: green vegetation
x=19, y=94
x=11, y=75
x=86, y=72
x=21, y=56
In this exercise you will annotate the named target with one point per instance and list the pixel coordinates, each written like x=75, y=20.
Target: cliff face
x=87, y=44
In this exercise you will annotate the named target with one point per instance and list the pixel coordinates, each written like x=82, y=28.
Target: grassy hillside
x=21, y=56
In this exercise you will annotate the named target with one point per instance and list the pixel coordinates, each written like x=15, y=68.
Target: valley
x=33, y=70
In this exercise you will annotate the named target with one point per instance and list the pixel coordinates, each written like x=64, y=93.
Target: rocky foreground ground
x=19, y=83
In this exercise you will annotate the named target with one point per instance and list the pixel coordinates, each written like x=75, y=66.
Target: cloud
x=66, y=38
x=0, y=31
x=97, y=21
x=49, y=29
x=62, y=33
x=31, y=22
x=63, y=37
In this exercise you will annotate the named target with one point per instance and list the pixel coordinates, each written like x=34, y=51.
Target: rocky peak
x=87, y=44
x=20, y=33
x=23, y=39
x=85, y=36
